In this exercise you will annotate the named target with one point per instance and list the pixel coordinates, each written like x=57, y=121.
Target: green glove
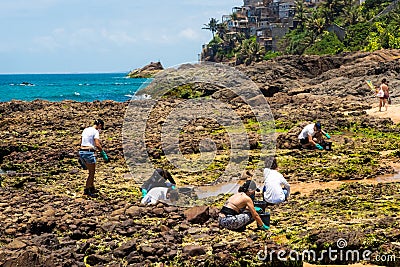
x=264, y=227
x=144, y=192
x=258, y=209
x=173, y=187
x=104, y=155
x=328, y=136
x=319, y=146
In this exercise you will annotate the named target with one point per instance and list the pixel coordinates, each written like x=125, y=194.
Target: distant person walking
x=89, y=142
x=383, y=94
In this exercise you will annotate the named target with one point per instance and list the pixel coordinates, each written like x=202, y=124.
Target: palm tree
x=300, y=12
x=222, y=29
x=240, y=37
x=316, y=23
x=211, y=26
x=351, y=15
x=250, y=51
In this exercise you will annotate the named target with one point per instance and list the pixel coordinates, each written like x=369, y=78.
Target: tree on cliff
x=331, y=27
x=211, y=26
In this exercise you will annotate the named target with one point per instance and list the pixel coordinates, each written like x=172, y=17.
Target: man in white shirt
x=311, y=136
x=276, y=188
x=160, y=194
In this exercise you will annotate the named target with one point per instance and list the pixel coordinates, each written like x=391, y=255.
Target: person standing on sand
x=89, y=142
x=383, y=94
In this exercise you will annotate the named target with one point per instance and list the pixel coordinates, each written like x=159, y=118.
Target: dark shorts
x=235, y=222
x=304, y=141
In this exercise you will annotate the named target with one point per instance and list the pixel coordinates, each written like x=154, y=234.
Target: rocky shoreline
x=46, y=221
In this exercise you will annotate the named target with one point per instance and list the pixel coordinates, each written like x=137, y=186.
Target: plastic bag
x=380, y=93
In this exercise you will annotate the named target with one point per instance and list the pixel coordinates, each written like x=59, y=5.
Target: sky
x=91, y=36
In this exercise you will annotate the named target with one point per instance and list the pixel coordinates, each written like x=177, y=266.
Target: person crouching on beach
x=239, y=211
x=276, y=189
x=157, y=194
x=311, y=136
x=158, y=179
x=89, y=142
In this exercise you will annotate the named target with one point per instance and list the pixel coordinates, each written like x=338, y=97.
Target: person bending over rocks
x=239, y=211
x=276, y=189
x=312, y=136
x=158, y=179
x=157, y=194
x=89, y=142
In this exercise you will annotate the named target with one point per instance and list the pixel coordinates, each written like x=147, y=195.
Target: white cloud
x=190, y=34
x=83, y=38
x=47, y=43
x=119, y=38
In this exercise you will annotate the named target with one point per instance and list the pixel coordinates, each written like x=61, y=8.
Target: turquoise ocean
x=84, y=87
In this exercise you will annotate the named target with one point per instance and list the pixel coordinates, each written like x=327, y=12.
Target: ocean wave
x=141, y=97
x=26, y=84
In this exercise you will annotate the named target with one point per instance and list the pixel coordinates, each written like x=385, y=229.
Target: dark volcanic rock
x=45, y=220
x=198, y=214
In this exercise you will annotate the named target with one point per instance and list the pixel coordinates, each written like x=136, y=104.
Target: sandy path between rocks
x=393, y=112
x=305, y=188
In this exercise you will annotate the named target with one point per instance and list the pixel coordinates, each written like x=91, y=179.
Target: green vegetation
x=365, y=29
x=186, y=91
x=371, y=26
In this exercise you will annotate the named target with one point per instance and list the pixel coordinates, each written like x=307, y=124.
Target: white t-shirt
x=273, y=182
x=308, y=130
x=155, y=194
x=88, y=136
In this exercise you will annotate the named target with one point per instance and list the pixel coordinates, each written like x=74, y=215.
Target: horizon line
x=34, y=73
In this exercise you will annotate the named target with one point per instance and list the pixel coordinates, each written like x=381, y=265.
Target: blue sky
x=68, y=36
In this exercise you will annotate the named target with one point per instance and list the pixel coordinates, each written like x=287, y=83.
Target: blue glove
x=319, y=146
x=104, y=155
x=328, y=136
x=144, y=192
x=258, y=209
x=173, y=187
x=264, y=227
